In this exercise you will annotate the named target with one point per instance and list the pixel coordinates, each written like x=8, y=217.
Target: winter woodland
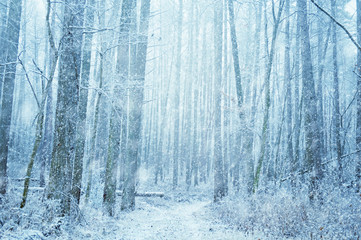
x=180, y=119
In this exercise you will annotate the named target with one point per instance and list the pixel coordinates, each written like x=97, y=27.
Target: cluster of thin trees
x=261, y=92
x=68, y=55
x=226, y=89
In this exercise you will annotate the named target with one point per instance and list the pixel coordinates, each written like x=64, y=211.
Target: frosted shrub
x=282, y=215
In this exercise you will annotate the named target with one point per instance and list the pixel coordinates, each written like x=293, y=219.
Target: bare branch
x=27, y=78
x=339, y=24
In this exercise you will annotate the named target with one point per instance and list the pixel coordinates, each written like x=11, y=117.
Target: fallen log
x=119, y=193
x=145, y=194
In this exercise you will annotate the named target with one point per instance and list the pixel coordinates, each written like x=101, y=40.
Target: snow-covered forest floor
x=191, y=214
x=162, y=219
x=178, y=215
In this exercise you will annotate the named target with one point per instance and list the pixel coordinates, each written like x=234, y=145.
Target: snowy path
x=187, y=220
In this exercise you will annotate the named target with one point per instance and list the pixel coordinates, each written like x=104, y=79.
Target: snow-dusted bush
x=280, y=214
x=38, y=220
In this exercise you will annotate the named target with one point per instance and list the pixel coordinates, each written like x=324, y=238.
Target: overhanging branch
x=339, y=24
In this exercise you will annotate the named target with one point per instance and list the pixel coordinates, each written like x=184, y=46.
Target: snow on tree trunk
x=358, y=109
x=312, y=132
x=176, y=96
x=83, y=100
x=219, y=191
x=336, y=117
x=136, y=95
x=61, y=170
x=11, y=52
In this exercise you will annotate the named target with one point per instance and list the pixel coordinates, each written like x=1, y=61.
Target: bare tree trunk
x=336, y=117
x=224, y=99
x=358, y=120
x=40, y=119
x=219, y=191
x=195, y=155
x=187, y=113
x=136, y=92
x=312, y=132
x=295, y=164
x=177, y=93
x=203, y=102
x=94, y=133
x=288, y=80
x=265, y=126
x=117, y=114
x=237, y=74
x=83, y=100
x=3, y=19
x=61, y=170
x=319, y=83
x=12, y=38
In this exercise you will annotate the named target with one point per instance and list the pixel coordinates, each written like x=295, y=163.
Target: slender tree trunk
x=187, y=113
x=3, y=19
x=288, y=80
x=358, y=100
x=40, y=119
x=295, y=164
x=177, y=93
x=136, y=92
x=163, y=103
x=203, y=102
x=47, y=142
x=336, y=117
x=195, y=154
x=94, y=133
x=237, y=74
x=320, y=80
x=219, y=191
x=265, y=125
x=12, y=38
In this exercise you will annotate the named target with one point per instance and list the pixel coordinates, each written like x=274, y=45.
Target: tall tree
x=61, y=170
x=320, y=58
x=288, y=80
x=312, y=132
x=83, y=100
x=298, y=106
x=117, y=109
x=176, y=96
x=267, y=82
x=237, y=74
x=136, y=95
x=39, y=135
x=187, y=114
x=49, y=67
x=358, y=101
x=336, y=117
x=219, y=190
x=12, y=42
x=3, y=19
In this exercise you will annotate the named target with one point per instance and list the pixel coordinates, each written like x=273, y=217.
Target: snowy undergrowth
x=282, y=215
x=38, y=220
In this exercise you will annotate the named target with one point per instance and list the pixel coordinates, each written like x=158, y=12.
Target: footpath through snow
x=159, y=219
